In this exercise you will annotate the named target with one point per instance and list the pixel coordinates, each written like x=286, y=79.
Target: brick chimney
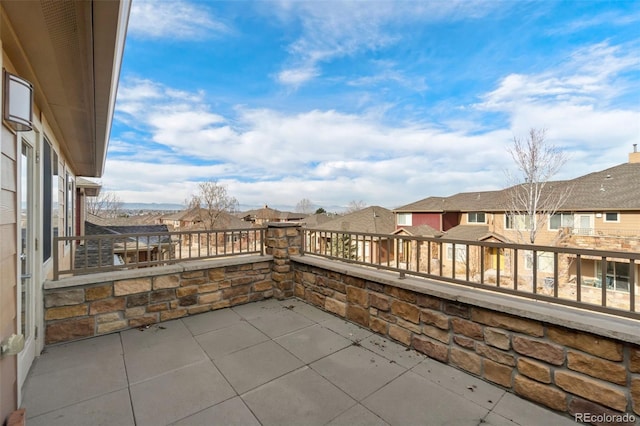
x=634, y=157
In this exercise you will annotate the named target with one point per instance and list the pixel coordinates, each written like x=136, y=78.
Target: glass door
x=26, y=247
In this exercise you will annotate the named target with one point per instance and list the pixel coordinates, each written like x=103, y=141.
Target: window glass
x=404, y=219
x=461, y=252
x=561, y=220
x=611, y=217
x=476, y=217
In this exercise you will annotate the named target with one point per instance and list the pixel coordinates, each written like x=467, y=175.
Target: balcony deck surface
x=270, y=363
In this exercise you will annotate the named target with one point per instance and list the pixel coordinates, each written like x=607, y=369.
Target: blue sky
x=374, y=101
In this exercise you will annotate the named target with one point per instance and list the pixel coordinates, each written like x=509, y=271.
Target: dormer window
x=476, y=217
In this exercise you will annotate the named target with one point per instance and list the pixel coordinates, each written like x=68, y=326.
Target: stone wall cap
x=283, y=225
x=185, y=266
x=620, y=328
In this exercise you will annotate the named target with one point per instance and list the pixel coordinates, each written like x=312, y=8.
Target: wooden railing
x=78, y=255
x=605, y=281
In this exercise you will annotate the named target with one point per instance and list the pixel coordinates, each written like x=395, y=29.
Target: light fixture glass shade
x=18, y=102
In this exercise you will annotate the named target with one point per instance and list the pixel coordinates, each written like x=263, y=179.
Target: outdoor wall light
x=18, y=102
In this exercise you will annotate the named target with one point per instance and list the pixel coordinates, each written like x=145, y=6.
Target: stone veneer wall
x=564, y=369
x=110, y=302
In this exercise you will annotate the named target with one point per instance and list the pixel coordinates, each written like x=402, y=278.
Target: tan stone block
x=543, y=394
x=597, y=367
x=193, y=281
x=192, y=310
x=63, y=312
x=400, y=334
x=378, y=325
x=64, y=331
x=134, y=312
x=216, y=274
x=401, y=294
x=166, y=281
x=456, y=309
x=414, y=328
x=436, y=318
x=308, y=278
x=208, y=288
x=355, y=281
x=173, y=304
x=358, y=315
x=430, y=348
x=337, y=286
x=229, y=293
x=358, y=296
x=263, y=285
x=335, y=306
x=430, y=302
x=590, y=389
x=137, y=285
x=315, y=298
x=220, y=305
x=634, y=360
x=195, y=274
x=239, y=300
x=592, y=344
x=158, y=307
x=107, y=305
x=495, y=355
x=534, y=370
x=406, y=311
x=142, y=321
x=467, y=328
x=169, y=315
x=539, y=349
x=465, y=342
x=110, y=317
x=99, y=292
x=466, y=360
x=497, y=373
x=436, y=333
x=635, y=394
x=186, y=291
x=497, y=338
x=210, y=297
x=63, y=297
x=112, y=326
x=379, y=301
x=508, y=322
x=298, y=291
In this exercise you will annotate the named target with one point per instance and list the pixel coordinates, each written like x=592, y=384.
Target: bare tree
x=304, y=206
x=533, y=197
x=355, y=206
x=105, y=205
x=211, y=201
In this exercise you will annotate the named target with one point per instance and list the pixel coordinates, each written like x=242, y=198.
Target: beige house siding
x=8, y=262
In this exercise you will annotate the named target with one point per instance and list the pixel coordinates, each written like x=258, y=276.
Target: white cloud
x=331, y=157
x=332, y=30
x=172, y=19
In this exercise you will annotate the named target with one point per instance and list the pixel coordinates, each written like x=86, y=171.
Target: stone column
x=282, y=241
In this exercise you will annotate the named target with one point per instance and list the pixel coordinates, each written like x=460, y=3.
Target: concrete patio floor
x=269, y=363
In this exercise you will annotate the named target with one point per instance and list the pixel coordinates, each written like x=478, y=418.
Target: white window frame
x=562, y=221
x=404, y=221
x=484, y=215
x=519, y=220
x=604, y=217
x=545, y=261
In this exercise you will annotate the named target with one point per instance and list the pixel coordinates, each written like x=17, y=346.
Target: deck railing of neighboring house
x=100, y=253
x=568, y=276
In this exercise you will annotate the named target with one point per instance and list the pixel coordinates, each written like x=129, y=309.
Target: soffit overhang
x=72, y=52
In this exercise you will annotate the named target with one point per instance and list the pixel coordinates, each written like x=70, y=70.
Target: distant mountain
x=152, y=206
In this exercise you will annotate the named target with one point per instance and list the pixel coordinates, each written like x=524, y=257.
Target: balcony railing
x=100, y=253
x=568, y=276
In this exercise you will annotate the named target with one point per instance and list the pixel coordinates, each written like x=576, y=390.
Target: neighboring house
x=195, y=218
x=62, y=62
x=317, y=219
x=602, y=211
x=266, y=214
x=93, y=253
x=373, y=220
